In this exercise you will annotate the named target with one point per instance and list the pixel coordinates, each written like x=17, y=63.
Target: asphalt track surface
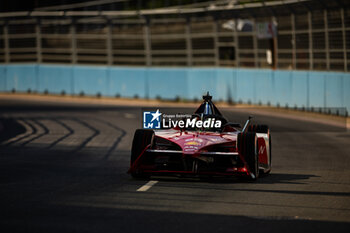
x=63, y=169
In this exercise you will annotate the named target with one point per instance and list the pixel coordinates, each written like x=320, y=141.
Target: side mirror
x=247, y=123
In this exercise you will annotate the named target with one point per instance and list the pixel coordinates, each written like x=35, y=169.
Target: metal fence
x=315, y=40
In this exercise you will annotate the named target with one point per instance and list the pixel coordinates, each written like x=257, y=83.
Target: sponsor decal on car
x=192, y=143
x=261, y=150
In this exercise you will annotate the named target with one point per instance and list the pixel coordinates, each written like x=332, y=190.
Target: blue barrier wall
x=21, y=77
x=127, y=82
x=55, y=79
x=284, y=88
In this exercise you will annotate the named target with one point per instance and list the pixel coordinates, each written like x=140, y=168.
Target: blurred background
x=64, y=157
x=252, y=37
x=301, y=35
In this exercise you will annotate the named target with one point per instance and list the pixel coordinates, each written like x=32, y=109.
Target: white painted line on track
x=147, y=186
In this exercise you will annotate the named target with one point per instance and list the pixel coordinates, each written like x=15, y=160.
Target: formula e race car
x=194, y=150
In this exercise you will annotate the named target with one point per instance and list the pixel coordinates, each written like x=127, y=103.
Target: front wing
x=157, y=162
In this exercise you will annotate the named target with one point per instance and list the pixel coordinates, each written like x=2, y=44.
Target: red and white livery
x=226, y=151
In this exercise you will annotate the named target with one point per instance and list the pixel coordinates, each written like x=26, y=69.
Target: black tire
x=142, y=138
x=259, y=128
x=270, y=162
x=247, y=146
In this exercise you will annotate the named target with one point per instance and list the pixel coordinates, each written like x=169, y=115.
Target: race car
x=228, y=150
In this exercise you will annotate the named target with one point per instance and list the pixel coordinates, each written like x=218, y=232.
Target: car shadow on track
x=273, y=178
x=210, y=183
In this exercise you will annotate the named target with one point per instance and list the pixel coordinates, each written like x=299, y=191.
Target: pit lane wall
x=302, y=89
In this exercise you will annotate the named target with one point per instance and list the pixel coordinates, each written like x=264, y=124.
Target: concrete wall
x=292, y=88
